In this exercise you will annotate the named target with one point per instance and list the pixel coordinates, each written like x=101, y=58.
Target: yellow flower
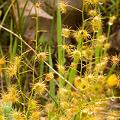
x=77, y=81
x=112, y=80
x=1, y=117
x=2, y=61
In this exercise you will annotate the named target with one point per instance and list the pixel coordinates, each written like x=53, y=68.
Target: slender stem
x=34, y=62
x=75, y=8
x=83, y=14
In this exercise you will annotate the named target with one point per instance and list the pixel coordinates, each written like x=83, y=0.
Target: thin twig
x=17, y=37
x=2, y=83
x=3, y=5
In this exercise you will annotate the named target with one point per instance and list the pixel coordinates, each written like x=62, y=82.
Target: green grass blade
x=59, y=40
x=52, y=97
x=6, y=13
x=11, y=41
x=14, y=47
x=72, y=74
x=51, y=114
x=111, y=71
x=22, y=14
x=52, y=85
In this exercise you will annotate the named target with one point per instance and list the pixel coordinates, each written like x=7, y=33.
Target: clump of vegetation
x=32, y=88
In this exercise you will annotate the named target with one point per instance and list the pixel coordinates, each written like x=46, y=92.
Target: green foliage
x=35, y=87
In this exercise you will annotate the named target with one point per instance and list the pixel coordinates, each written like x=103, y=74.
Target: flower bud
x=49, y=77
x=12, y=70
x=17, y=61
x=64, y=105
x=77, y=81
x=76, y=54
x=65, y=32
x=115, y=60
x=80, y=34
x=62, y=6
x=96, y=23
x=93, y=13
x=64, y=94
x=111, y=20
x=39, y=87
x=42, y=56
x=17, y=115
